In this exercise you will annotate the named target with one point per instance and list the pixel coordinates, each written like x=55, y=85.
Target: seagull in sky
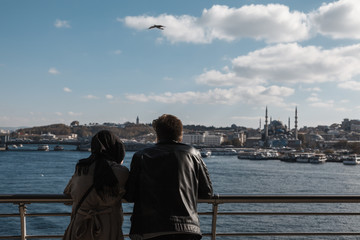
x=161, y=27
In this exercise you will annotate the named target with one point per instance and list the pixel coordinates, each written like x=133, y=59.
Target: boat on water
x=43, y=147
x=289, y=157
x=258, y=155
x=318, y=158
x=58, y=148
x=205, y=153
x=224, y=152
x=304, y=157
x=352, y=159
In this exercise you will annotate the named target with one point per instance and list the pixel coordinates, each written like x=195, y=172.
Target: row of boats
x=45, y=147
x=268, y=154
x=310, y=157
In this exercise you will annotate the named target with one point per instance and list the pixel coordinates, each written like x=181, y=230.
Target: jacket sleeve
x=205, y=185
x=132, y=185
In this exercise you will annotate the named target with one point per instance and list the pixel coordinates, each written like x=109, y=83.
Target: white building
x=195, y=138
x=213, y=140
x=203, y=138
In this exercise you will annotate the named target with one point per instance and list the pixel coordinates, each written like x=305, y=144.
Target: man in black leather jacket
x=165, y=182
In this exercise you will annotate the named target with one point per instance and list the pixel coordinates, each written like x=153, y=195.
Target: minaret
x=260, y=124
x=289, y=129
x=266, y=124
x=296, y=122
x=137, y=120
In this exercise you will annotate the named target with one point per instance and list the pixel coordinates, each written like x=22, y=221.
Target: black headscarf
x=105, y=146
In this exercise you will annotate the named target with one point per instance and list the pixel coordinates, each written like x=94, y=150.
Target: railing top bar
x=284, y=198
x=32, y=198
x=269, y=198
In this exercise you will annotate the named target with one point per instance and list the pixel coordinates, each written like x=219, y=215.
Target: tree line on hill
x=129, y=131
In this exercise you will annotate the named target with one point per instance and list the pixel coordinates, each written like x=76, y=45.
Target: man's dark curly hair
x=168, y=127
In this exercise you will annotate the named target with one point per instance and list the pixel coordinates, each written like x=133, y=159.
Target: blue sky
x=216, y=62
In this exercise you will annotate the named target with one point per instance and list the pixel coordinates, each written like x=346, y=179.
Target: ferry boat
x=289, y=157
x=304, y=157
x=224, y=152
x=43, y=147
x=352, y=160
x=318, y=158
x=258, y=155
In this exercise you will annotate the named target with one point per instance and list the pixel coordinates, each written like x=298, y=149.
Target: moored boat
x=43, y=147
x=352, y=159
x=304, y=157
x=58, y=148
x=224, y=152
x=318, y=158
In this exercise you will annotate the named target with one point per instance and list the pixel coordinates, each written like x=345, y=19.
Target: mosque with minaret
x=276, y=134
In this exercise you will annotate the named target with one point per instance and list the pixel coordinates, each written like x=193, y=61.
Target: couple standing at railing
x=164, y=184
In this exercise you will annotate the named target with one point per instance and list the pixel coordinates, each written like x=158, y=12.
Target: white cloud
x=117, y=52
x=74, y=114
x=326, y=104
x=340, y=19
x=58, y=113
x=288, y=63
x=62, y=23
x=53, y=71
x=314, y=89
x=313, y=99
x=109, y=96
x=67, y=89
x=351, y=85
x=251, y=95
x=272, y=23
x=91, y=97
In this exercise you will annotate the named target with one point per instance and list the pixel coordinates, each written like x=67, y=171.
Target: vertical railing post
x=22, y=211
x=214, y=217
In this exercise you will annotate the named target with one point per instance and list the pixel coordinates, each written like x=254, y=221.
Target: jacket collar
x=167, y=142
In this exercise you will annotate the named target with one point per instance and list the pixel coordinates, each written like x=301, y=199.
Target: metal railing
x=24, y=199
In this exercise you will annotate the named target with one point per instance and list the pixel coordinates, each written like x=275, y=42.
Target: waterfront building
x=203, y=139
x=195, y=138
x=48, y=136
x=213, y=140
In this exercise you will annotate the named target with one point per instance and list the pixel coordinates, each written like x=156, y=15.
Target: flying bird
x=161, y=27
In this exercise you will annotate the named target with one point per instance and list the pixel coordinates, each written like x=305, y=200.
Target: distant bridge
x=129, y=146
x=76, y=143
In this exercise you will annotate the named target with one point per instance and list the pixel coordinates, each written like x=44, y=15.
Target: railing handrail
x=23, y=199
x=216, y=199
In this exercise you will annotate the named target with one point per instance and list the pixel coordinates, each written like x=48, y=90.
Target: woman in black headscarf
x=96, y=188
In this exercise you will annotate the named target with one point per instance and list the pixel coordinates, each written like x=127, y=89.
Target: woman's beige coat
x=98, y=219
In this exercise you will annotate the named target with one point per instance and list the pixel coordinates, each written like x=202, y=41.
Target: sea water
x=35, y=172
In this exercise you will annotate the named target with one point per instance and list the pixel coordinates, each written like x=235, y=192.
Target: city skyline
x=215, y=63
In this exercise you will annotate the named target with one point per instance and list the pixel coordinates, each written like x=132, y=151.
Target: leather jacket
x=165, y=182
